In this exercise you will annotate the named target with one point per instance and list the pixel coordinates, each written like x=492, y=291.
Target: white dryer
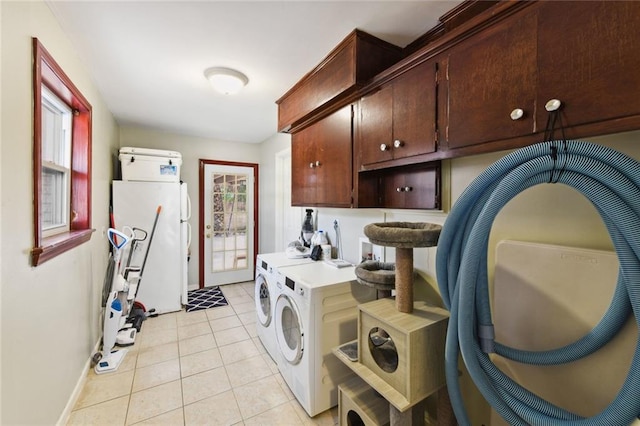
x=265, y=295
x=316, y=310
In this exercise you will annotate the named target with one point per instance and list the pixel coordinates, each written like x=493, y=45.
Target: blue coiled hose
x=611, y=181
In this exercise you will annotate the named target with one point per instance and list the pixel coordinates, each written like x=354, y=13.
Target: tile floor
x=199, y=368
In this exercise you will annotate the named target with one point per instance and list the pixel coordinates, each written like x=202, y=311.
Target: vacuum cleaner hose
x=610, y=180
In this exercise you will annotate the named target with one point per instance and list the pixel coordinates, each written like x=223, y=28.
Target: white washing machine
x=265, y=295
x=316, y=310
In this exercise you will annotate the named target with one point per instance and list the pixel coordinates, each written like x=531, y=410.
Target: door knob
x=398, y=143
x=384, y=147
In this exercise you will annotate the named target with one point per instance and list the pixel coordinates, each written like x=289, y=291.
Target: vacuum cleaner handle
x=113, y=233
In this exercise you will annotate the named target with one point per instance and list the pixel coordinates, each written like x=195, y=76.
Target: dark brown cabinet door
x=399, y=120
x=375, y=126
x=414, y=111
x=321, y=168
x=303, y=176
x=589, y=59
x=490, y=76
x=414, y=188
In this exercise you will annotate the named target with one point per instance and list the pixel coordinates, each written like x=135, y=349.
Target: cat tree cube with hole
x=359, y=404
x=404, y=350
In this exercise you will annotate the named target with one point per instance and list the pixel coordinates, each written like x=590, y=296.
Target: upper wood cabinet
x=583, y=54
x=589, y=59
x=321, y=162
x=491, y=77
x=399, y=120
x=328, y=86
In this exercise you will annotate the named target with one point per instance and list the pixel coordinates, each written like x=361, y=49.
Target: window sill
x=58, y=244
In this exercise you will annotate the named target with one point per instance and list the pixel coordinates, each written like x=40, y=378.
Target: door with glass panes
x=228, y=234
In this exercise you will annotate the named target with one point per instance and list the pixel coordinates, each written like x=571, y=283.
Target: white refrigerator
x=163, y=284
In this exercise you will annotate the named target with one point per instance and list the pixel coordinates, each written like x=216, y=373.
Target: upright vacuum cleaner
x=123, y=315
x=111, y=359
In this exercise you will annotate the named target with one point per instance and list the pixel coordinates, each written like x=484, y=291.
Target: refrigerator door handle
x=188, y=235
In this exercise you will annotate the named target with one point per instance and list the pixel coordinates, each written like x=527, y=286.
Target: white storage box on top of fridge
x=163, y=284
x=150, y=165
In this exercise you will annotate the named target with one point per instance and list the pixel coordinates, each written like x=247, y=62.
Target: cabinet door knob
x=384, y=147
x=398, y=143
x=517, y=114
x=553, y=105
x=317, y=163
x=399, y=189
x=408, y=189
x=311, y=165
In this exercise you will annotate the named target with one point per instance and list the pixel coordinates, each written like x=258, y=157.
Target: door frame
x=202, y=163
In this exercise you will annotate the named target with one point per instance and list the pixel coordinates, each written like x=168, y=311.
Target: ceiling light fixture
x=226, y=80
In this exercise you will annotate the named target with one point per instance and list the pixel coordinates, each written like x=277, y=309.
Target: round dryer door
x=263, y=300
x=289, y=331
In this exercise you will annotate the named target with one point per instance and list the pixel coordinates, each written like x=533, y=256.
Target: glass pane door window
x=230, y=221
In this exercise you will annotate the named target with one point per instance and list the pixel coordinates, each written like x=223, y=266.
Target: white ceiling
x=148, y=57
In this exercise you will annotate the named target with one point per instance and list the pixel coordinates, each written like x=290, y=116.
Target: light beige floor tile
x=270, y=362
x=172, y=418
x=193, y=330
x=248, y=318
x=239, y=299
x=282, y=415
x=154, y=401
x=156, y=374
x=196, y=344
x=155, y=354
x=163, y=321
x=129, y=361
x=251, y=330
x=326, y=418
x=155, y=337
x=221, y=409
x=186, y=318
x=203, y=385
x=103, y=387
x=225, y=323
x=220, y=312
x=238, y=351
x=249, y=287
x=247, y=371
x=284, y=387
x=112, y=412
x=243, y=308
x=259, y=345
x=259, y=396
x=232, y=335
x=232, y=290
x=199, y=362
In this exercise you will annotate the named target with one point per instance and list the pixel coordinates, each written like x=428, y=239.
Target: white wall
x=51, y=313
x=192, y=149
x=269, y=190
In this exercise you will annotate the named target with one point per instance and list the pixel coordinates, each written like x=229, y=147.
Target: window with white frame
x=61, y=160
x=56, y=164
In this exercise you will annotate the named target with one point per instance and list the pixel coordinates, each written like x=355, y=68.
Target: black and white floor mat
x=205, y=298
